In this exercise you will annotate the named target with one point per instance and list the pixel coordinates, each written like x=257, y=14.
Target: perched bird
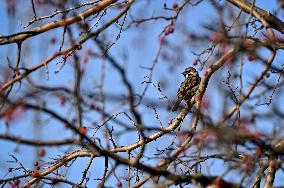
x=188, y=87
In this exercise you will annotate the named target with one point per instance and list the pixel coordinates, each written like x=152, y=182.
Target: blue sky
x=141, y=46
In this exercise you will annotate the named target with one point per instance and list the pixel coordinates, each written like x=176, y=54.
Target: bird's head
x=190, y=71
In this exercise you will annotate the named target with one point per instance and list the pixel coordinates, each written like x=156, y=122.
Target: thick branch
x=259, y=13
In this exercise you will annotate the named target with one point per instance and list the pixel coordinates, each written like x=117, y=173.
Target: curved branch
x=66, y=51
x=38, y=143
x=18, y=37
x=259, y=13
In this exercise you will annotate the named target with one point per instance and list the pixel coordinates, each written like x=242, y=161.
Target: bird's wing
x=188, y=84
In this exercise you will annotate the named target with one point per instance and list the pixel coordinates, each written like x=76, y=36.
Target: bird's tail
x=176, y=105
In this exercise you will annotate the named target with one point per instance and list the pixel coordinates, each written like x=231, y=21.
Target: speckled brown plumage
x=188, y=87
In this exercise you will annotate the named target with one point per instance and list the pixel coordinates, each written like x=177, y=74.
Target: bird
x=188, y=87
